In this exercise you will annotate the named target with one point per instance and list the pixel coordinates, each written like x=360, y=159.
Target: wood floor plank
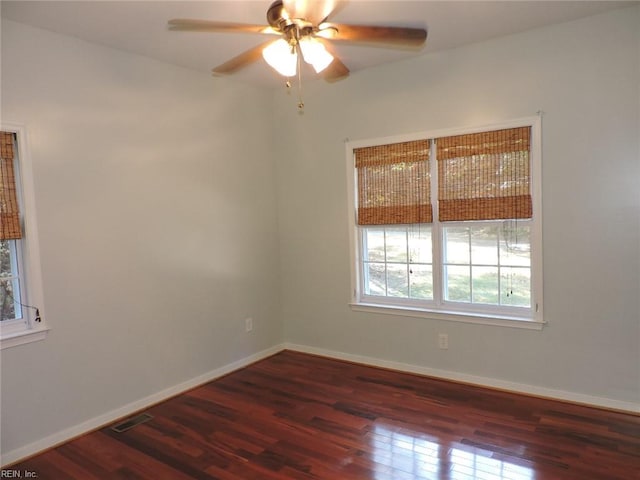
x=305, y=417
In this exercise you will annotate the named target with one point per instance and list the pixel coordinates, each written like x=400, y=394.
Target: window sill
x=23, y=337
x=479, y=319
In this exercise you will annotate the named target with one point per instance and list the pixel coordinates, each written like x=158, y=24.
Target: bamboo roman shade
x=484, y=176
x=394, y=183
x=9, y=213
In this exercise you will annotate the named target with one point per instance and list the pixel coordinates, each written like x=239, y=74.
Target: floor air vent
x=131, y=422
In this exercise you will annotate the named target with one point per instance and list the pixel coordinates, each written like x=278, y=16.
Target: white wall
x=585, y=76
x=156, y=213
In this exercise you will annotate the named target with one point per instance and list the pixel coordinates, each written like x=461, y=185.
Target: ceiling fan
x=304, y=30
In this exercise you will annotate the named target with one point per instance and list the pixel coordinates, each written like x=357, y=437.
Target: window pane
x=456, y=245
x=516, y=287
x=374, y=279
x=420, y=244
x=374, y=245
x=485, y=285
x=421, y=282
x=396, y=245
x=7, y=305
x=484, y=245
x=515, y=245
x=397, y=281
x=9, y=284
x=5, y=259
x=457, y=283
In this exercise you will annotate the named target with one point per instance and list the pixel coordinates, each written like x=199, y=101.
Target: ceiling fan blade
x=313, y=11
x=335, y=71
x=240, y=61
x=193, y=25
x=391, y=36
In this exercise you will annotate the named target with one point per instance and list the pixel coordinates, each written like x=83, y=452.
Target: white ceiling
x=141, y=26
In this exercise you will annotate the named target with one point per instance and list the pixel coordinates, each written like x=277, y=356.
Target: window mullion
x=408, y=254
x=386, y=265
x=437, y=259
x=362, y=264
x=470, y=264
x=499, y=262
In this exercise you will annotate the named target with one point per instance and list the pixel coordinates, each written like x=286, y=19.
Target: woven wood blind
x=394, y=183
x=9, y=213
x=484, y=176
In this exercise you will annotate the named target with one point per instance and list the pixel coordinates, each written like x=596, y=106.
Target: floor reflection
x=401, y=455
x=466, y=465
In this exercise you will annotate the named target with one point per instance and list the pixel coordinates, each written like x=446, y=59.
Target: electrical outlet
x=248, y=324
x=443, y=341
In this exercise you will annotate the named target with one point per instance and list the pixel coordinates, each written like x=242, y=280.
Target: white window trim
x=357, y=303
x=26, y=330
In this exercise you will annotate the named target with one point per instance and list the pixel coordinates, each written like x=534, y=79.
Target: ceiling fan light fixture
x=315, y=53
x=282, y=57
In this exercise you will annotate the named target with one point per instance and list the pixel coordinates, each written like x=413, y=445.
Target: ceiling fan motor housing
x=292, y=28
x=277, y=17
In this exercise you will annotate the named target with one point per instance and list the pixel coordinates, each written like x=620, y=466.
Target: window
x=448, y=224
x=20, y=294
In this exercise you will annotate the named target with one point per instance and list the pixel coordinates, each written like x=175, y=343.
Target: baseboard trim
x=552, y=394
x=103, y=420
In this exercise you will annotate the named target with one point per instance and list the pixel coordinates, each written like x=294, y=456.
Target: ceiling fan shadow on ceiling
x=304, y=33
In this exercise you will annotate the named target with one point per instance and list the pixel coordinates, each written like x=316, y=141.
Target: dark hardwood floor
x=297, y=416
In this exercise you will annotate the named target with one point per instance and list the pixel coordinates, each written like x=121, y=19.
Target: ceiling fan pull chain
x=300, y=102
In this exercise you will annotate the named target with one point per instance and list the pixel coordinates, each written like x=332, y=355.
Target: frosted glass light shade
x=281, y=57
x=315, y=53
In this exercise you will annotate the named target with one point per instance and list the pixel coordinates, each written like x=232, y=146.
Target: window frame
x=26, y=329
x=440, y=309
